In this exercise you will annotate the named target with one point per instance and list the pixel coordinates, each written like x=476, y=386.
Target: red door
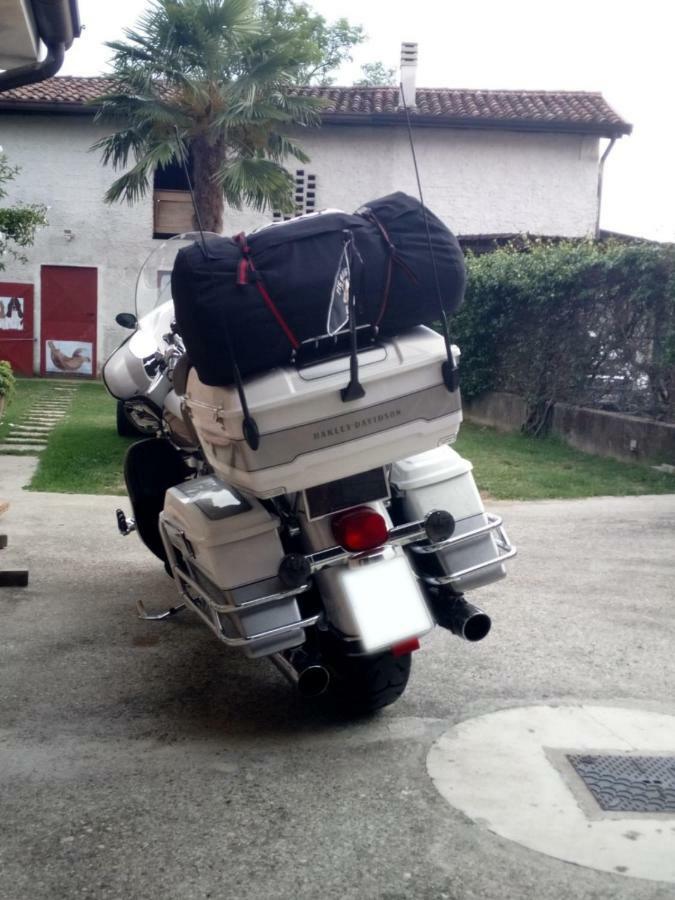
x=68, y=321
x=16, y=325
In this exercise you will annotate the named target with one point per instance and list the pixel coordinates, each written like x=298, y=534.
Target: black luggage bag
x=271, y=290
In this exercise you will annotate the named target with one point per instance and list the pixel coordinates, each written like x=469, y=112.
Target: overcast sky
x=623, y=49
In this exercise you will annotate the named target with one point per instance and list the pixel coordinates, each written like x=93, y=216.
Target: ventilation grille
x=304, y=198
x=408, y=54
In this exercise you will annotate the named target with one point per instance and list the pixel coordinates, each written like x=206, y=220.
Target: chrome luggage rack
x=211, y=604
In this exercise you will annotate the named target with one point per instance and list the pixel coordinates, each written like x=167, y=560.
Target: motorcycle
x=342, y=537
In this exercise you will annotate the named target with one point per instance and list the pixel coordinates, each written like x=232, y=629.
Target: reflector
x=360, y=529
x=405, y=647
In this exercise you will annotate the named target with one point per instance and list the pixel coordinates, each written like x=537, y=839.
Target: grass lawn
x=515, y=467
x=85, y=454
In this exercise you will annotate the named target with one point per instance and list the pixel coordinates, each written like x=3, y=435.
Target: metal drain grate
x=622, y=783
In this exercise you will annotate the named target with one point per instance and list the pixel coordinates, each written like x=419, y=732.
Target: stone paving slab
x=27, y=448
x=40, y=417
x=26, y=445
x=23, y=432
x=41, y=422
x=18, y=437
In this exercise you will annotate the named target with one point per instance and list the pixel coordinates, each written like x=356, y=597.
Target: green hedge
x=581, y=322
x=7, y=380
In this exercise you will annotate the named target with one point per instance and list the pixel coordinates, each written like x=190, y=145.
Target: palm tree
x=199, y=81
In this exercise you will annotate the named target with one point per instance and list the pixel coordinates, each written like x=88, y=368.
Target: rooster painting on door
x=68, y=315
x=71, y=357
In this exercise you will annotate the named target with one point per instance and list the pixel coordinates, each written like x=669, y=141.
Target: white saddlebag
x=309, y=436
x=442, y=479
x=229, y=545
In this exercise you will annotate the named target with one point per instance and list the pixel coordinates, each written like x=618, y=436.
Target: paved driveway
x=139, y=760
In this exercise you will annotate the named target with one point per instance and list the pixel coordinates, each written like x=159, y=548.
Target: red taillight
x=405, y=647
x=360, y=529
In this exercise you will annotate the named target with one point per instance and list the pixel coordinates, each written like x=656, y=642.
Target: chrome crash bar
x=214, y=608
x=505, y=550
x=210, y=606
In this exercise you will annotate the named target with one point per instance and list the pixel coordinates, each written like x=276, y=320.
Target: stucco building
x=491, y=162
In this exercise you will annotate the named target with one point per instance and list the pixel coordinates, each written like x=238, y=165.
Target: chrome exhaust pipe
x=462, y=618
x=313, y=681
x=309, y=677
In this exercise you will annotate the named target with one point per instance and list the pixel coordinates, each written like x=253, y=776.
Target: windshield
x=153, y=286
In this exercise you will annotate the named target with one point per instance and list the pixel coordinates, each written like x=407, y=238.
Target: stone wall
x=592, y=430
x=503, y=411
x=614, y=434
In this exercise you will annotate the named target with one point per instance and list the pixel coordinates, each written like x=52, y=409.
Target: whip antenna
x=450, y=367
x=186, y=172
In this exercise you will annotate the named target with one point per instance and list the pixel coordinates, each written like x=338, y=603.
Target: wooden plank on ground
x=14, y=578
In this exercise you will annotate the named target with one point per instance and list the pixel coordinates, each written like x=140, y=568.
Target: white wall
x=477, y=181
x=58, y=170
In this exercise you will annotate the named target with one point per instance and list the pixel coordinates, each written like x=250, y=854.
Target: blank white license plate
x=387, y=603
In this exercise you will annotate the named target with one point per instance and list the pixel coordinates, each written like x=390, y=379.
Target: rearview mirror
x=126, y=320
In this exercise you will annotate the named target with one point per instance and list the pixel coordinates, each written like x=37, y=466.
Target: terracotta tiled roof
x=542, y=110
x=532, y=110
x=64, y=91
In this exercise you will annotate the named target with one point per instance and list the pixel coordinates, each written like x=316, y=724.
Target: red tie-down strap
x=393, y=257
x=246, y=273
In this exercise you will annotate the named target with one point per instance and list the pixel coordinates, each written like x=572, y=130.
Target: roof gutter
x=426, y=121
x=363, y=119
x=601, y=172
x=58, y=24
x=57, y=21
x=34, y=72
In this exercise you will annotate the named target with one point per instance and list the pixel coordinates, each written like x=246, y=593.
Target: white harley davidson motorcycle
x=345, y=537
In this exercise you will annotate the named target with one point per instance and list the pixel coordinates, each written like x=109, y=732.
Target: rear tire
x=364, y=684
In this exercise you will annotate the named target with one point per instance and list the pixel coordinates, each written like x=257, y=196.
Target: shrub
x=574, y=322
x=7, y=380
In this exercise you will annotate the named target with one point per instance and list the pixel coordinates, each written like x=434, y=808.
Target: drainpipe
x=34, y=72
x=601, y=169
